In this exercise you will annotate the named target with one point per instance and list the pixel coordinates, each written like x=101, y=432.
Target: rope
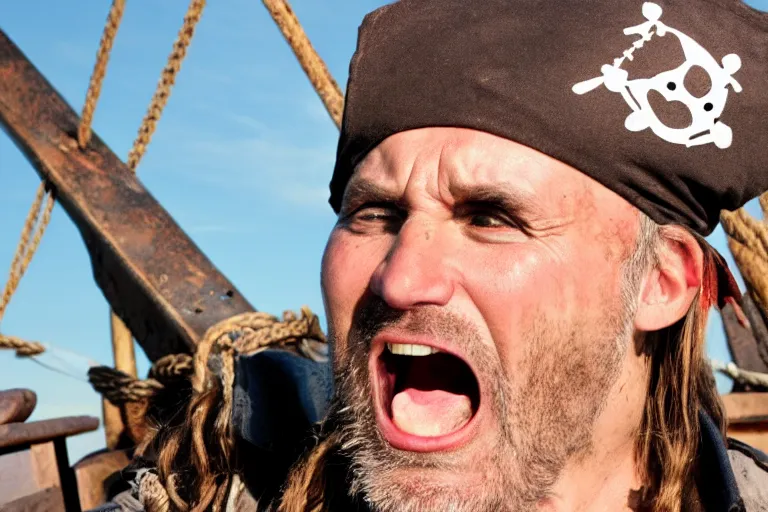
x=748, y=241
x=22, y=347
x=310, y=61
x=172, y=366
x=754, y=379
x=152, y=495
x=99, y=71
x=34, y=226
x=167, y=79
x=119, y=387
x=253, y=332
x=38, y=219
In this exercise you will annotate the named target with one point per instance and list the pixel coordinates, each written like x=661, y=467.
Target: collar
x=715, y=480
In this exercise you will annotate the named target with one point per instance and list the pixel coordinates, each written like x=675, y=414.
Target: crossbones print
x=706, y=126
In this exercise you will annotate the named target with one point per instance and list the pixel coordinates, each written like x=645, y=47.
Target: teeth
x=402, y=349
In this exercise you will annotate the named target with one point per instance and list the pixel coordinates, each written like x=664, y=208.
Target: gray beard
x=568, y=371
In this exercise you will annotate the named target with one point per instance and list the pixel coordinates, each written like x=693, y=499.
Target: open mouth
x=427, y=398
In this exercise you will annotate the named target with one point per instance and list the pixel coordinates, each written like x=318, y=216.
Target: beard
x=545, y=410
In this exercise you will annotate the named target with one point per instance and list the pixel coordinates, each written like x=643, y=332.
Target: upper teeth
x=402, y=349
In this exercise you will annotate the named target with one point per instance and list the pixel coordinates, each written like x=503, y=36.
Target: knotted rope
x=253, y=332
x=209, y=412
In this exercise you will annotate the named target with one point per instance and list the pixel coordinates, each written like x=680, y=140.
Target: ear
x=672, y=285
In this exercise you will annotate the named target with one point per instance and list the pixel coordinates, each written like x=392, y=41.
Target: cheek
x=347, y=266
x=517, y=288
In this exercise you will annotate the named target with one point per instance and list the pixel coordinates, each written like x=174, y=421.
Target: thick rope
x=254, y=331
x=23, y=348
x=99, y=71
x=172, y=366
x=748, y=241
x=119, y=387
x=754, y=379
x=247, y=333
x=167, y=79
x=310, y=61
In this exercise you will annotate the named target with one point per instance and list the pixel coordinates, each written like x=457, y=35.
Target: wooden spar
x=125, y=360
x=151, y=273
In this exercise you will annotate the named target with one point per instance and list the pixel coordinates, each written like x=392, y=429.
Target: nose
x=416, y=270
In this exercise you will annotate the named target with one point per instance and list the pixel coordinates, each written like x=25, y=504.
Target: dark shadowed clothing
x=730, y=477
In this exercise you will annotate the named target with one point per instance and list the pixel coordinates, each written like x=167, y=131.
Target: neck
x=602, y=480
x=606, y=476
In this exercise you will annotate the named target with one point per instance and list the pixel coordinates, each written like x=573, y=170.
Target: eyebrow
x=361, y=190
x=502, y=194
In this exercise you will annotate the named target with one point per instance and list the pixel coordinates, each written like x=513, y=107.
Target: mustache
x=373, y=315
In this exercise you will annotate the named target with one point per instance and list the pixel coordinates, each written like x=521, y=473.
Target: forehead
x=451, y=162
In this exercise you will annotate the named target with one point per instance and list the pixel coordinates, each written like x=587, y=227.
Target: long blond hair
x=680, y=385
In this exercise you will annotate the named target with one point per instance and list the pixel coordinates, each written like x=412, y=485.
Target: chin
x=417, y=489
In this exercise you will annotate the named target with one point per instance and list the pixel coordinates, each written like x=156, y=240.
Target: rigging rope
x=38, y=219
x=167, y=79
x=41, y=218
x=31, y=234
x=99, y=71
x=310, y=61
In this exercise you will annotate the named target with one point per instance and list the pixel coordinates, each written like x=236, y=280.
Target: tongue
x=430, y=413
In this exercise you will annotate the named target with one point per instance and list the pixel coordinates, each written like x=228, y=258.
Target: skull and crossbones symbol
x=706, y=126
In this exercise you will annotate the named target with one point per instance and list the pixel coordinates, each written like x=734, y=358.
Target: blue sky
x=241, y=159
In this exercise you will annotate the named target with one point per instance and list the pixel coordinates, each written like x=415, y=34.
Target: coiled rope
x=253, y=331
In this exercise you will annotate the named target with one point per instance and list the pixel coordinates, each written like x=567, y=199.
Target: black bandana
x=665, y=103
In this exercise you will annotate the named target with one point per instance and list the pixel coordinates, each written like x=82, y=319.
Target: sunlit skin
x=500, y=234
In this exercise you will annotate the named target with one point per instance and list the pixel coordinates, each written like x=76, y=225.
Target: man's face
x=481, y=321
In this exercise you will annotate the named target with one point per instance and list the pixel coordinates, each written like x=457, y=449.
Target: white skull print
x=705, y=111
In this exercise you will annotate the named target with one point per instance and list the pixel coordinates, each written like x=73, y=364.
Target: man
x=517, y=286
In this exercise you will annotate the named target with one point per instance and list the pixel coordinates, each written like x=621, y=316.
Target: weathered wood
x=94, y=472
x=44, y=466
x=67, y=476
x=741, y=343
x=757, y=323
x=746, y=407
x=124, y=358
x=20, y=434
x=754, y=434
x=28, y=471
x=152, y=274
x=47, y=500
x=17, y=476
x=748, y=418
x=16, y=405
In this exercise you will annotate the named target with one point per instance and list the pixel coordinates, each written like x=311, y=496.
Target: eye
x=485, y=220
x=488, y=216
x=374, y=216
